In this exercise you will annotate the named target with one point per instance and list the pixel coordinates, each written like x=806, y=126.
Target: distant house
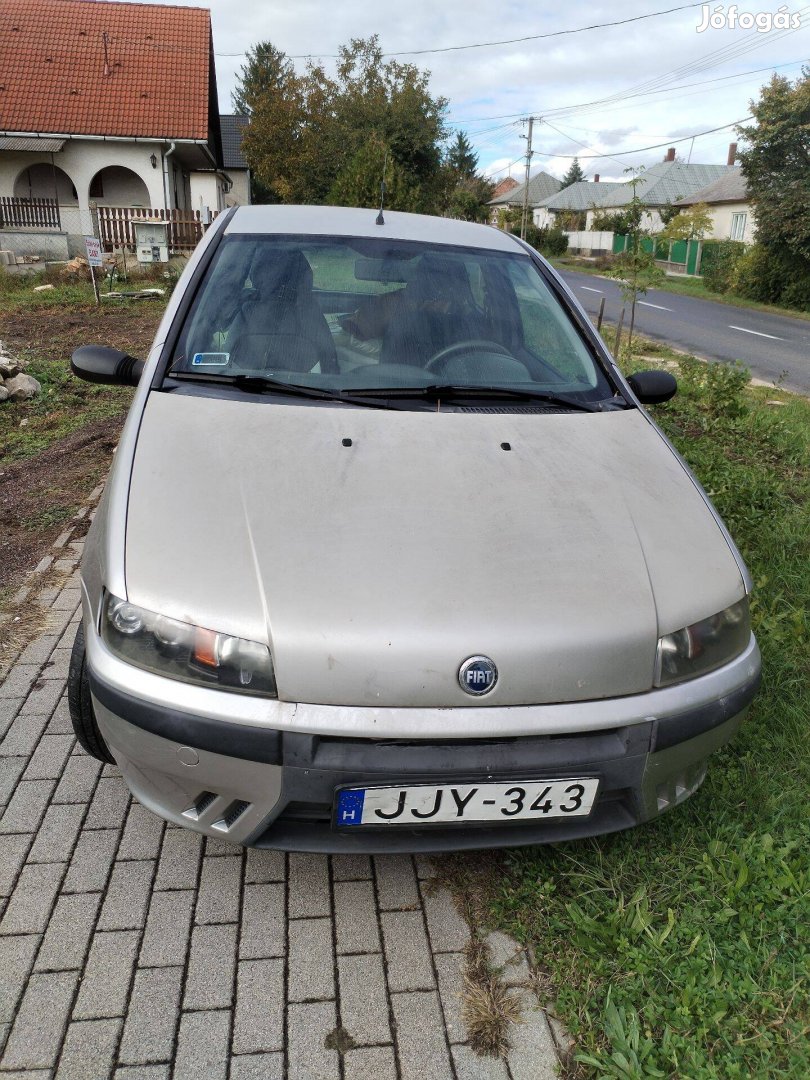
x=727, y=199
x=233, y=128
x=504, y=186
x=577, y=198
x=104, y=104
x=659, y=186
x=541, y=185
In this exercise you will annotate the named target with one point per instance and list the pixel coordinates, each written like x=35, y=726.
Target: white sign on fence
x=93, y=247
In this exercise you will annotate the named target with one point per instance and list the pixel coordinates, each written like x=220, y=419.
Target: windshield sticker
x=210, y=359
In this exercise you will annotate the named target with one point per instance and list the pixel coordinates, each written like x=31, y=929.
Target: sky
x=666, y=79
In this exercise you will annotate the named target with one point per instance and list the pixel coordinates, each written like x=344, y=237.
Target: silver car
x=391, y=556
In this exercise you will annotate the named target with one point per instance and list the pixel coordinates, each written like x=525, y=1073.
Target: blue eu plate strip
x=350, y=808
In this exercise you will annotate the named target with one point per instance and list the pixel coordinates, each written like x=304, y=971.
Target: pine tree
x=461, y=157
x=574, y=174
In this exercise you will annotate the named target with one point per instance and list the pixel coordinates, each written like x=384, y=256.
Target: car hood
x=372, y=570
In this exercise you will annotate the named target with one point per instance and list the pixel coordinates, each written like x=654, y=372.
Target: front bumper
x=274, y=786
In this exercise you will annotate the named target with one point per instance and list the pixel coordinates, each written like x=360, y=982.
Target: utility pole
x=525, y=216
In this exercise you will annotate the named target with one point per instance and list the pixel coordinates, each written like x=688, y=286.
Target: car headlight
x=704, y=645
x=182, y=651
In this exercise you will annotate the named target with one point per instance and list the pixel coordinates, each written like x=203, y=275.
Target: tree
x=461, y=158
x=635, y=267
x=311, y=135
x=694, y=223
x=574, y=174
x=775, y=161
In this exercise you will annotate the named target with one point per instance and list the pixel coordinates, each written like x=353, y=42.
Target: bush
x=547, y=241
x=773, y=276
x=718, y=263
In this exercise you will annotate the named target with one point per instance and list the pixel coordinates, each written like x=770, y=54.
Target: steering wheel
x=459, y=348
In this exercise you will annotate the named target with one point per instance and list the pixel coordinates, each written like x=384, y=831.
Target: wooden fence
x=116, y=226
x=29, y=213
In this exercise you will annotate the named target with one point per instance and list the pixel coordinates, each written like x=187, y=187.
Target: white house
x=727, y=199
x=103, y=104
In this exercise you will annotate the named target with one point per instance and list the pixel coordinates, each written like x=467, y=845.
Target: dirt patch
x=56, y=331
x=39, y=496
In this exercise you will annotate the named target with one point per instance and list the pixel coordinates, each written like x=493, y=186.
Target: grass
x=686, y=286
x=43, y=329
x=681, y=948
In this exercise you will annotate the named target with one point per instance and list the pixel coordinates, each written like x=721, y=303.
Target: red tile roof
x=505, y=185
x=53, y=78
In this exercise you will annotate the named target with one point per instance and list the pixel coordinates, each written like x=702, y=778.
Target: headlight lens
x=704, y=645
x=182, y=651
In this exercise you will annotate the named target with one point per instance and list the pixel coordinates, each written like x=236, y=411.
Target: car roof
x=349, y=221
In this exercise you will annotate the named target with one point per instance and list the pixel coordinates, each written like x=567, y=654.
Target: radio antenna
x=380, y=219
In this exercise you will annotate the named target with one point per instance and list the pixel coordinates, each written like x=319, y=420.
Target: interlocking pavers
x=29, y=908
x=356, y=922
x=471, y=1066
x=107, y=975
x=309, y=886
x=67, y=938
x=202, y=1046
x=310, y=1055
x=179, y=860
x=263, y=866
x=19, y=680
x=311, y=966
x=364, y=998
x=137, y=950
x=127, y=898
x=165, y=940
x=109, y=806
x=49, y=758
x=16, y=959
x=27, y=806
x=371, y=1063
x=211, y=968
x=259, y=1018
x=410, y=964
x=421, y=1041
x=57, y=834
x=257, y=1067
x=89, y=1049
x=143, y=833
x=450, y=973
x=396, y=883
x=263, y=922
x=13, y=849
x=23, y=735
x=151, y=1017
x=38, y=1030
x=91, y=861
x=218, y=895
x=448, y=931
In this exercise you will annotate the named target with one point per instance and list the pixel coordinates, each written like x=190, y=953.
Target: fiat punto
x=392, y=556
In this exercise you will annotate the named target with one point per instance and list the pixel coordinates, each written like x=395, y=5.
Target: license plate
x=431, y=804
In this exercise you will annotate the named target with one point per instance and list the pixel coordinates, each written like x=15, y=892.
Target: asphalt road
x=775, y=348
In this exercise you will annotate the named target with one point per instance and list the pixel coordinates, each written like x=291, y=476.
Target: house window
x=738, y=226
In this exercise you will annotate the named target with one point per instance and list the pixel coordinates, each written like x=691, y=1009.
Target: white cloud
x=539, y=76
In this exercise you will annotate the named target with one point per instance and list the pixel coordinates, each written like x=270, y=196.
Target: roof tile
x=53, y=78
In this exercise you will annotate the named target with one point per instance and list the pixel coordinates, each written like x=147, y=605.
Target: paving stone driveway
x=134, y=949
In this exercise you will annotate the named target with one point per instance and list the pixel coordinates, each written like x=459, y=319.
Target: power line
x=505, y=41
x=640, y=149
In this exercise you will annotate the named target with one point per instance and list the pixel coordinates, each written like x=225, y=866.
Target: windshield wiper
x=442, y=391
x=262, y=384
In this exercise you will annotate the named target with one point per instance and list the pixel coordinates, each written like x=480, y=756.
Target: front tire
x=80, y=704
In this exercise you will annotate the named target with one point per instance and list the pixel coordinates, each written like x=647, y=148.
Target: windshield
x=343, y=314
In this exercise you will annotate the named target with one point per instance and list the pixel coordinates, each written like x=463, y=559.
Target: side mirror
x=98, y=364
x=653, y=387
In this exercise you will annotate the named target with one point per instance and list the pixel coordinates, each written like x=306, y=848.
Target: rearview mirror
x=653, y=387
x=98, y=364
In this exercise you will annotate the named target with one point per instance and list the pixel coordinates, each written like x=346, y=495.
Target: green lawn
x=682, y=948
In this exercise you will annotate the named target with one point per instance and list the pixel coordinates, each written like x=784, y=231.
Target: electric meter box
x=152, y=241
